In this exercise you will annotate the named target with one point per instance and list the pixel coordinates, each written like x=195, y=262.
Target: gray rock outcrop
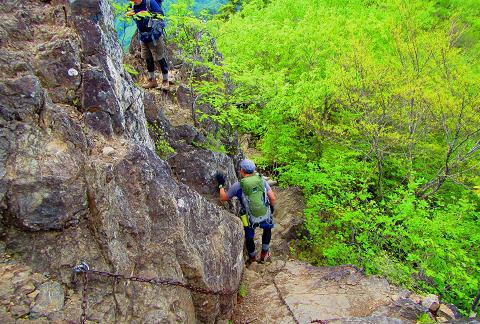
x=80, y=181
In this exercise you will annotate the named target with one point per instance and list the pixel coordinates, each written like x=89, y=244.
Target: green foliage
x=121, y=10
x=76, y=102
x=162, y=147
x=229, y=9
x=425, y=319
x=242, y=290
x=211, y=143
x=427, y=246
x=120, y=7
x=130, y=69
x=211, y=6
x=124, y=22
x=371, y=108
x=191, y=33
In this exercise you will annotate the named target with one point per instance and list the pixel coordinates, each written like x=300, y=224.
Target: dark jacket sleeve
x=156, y=6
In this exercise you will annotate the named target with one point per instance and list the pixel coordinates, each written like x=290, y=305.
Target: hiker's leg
x=160, y=55
x=164, y=67
x=266, y=237
x=149, y=60
x=150, y=68
x=249, y=235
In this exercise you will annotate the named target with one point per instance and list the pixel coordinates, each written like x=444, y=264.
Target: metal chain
x=83, y=319
x=163, y=282
x=85, y=269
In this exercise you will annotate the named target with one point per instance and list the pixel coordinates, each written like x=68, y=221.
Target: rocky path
x=175, y=101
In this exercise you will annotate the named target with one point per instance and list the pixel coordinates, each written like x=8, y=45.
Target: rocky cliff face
x=80, y=180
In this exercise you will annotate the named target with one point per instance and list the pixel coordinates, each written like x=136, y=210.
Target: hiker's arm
x=156, y=9
x=223, y=195
x=271, y=197
x=220, y=177
x=230, y=193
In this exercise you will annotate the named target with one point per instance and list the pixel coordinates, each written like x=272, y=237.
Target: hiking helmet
x=247, y=165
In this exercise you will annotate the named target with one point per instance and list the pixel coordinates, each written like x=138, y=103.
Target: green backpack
x=255, y=198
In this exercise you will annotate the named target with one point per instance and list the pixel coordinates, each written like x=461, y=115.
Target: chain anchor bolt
x=82, y=267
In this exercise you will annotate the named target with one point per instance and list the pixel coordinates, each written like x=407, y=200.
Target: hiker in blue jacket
x=257, y=200
x=150, y=31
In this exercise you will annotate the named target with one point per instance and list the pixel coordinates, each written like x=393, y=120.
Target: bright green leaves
x=162, y=147
x=120, y=8
x=368, y=105
x=130, y=69
x=476, y=189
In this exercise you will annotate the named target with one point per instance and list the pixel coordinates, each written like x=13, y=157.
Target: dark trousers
x=151, y=65
x=249, y=239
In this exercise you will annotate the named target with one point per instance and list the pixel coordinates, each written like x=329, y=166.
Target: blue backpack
x=154, y=27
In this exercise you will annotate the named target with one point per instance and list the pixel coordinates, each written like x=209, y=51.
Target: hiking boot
x=265, y=256
x=165, y=84
x=150, y=84
x=251, y=260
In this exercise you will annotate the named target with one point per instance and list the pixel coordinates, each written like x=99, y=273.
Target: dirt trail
x=262, y=302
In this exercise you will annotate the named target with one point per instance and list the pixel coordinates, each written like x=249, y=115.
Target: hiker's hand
x=272, y=209
x=130, y=13
x=220, y=177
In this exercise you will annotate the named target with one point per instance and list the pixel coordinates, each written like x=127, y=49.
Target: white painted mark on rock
x=72, y=72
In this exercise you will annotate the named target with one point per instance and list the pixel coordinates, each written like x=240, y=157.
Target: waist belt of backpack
x=258, y=220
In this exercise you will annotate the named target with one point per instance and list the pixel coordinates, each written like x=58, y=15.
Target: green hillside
x=371, y=108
